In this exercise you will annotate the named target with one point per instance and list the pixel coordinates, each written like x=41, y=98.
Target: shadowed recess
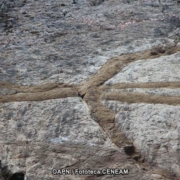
x=17, y=176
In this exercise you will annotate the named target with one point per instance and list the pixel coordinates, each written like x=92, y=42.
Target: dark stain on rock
x=17, y=176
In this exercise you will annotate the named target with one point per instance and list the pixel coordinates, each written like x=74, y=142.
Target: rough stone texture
x=89, y=85
x=151, y=91
x=53, y=121
x=154, y=130
x=66, y=120
x=67, y=126
x=162, y=69
x=6, y=91
x=57, y=41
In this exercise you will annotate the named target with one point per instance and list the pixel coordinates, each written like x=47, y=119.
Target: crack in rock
x=93, y=91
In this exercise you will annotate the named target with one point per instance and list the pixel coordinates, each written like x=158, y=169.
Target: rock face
x=155, y=126
x=154, y=130
x=89, y=85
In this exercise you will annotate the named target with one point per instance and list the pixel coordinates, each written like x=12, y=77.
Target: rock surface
x=89, y=85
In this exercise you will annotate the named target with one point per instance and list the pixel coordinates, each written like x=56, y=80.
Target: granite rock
x=89, y=85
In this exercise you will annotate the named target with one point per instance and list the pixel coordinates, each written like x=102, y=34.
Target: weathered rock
x=5, y=91
x=67, y=120
x=61, y=65
x=154, y=130
x=46, y=46
x=152, y=70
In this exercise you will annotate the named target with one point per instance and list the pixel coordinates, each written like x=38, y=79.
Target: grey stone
x=55, y=56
